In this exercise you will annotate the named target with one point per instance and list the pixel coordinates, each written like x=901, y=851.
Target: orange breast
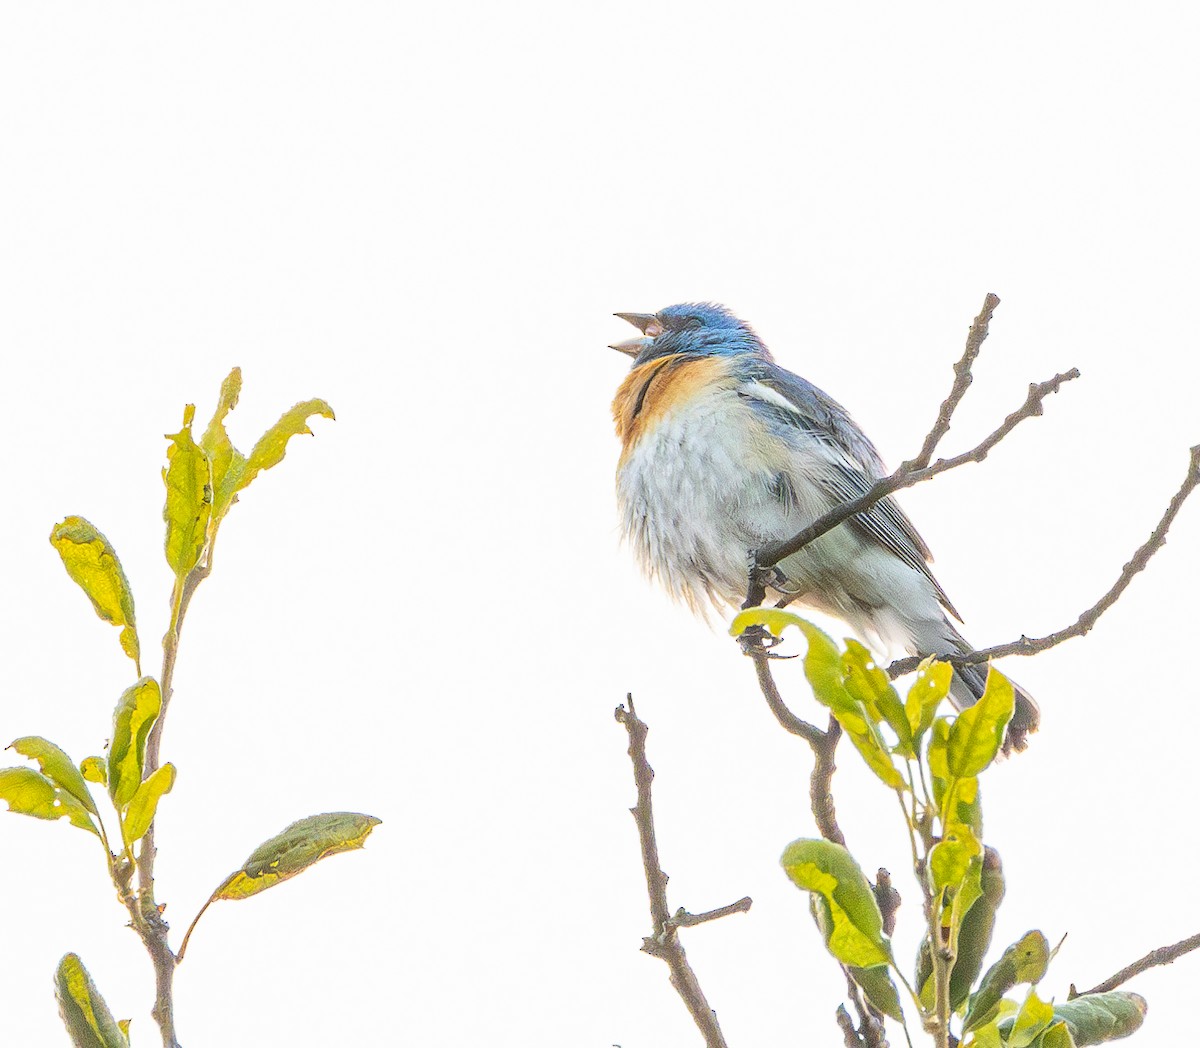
x=653, y=390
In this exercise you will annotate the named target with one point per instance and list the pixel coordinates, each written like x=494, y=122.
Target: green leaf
x=855, y=930
x=950, y=859
x=869, y=684
x=92, y=562
x=136, y=712
x=83, y=1011
x=880, y=990
x=975, y=936
x=228, y=463
x=94, y=770
x=29, y=792
x=56, y=766
x=926, y=694
x=978, y=731
x=295, y=849
x=1098, y=1017
x=1035, y=1015
x=1024, y=961
x=188, y=507
x=775, y=620
x=140, y=812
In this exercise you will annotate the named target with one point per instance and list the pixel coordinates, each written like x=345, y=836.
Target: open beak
x=647, y=324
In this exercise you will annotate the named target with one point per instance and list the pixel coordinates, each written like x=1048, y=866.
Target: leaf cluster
x=932, y=760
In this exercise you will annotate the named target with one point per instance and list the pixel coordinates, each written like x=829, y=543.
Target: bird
x=724, y=451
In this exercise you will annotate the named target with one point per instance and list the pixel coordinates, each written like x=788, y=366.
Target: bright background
x=426, y=214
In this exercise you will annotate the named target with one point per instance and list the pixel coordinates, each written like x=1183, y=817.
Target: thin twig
x=1163, y=955
x=962, y=381
x=850, y=1037
x=683, y=919
x=1085, y=622
x=664, y=942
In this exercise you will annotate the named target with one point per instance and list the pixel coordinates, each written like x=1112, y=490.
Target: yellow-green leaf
x=94, y=769
x=56, y=766
x=92, y=562
x=136, y=712
x=775, y=620
x=227, y=462
x=188, y=477
x=926, y=694
x=865, y=681
x=1024, y=961
x=83, y=1011
x=140, y=812
x=1035, y=1015
x=295, y=849
x=29, y=792
x=1056, y=1036
x=272, y=446
x=950, y=859
x=978, y=731
x=854, y=931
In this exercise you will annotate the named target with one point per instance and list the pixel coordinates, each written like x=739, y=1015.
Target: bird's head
x=702, y=329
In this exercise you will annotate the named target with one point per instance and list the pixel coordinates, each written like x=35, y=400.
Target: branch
x=664, y=943
x=1085, y=622
x=774, y=552
x=1163, y=955
x=962, y=381
x=823, y=743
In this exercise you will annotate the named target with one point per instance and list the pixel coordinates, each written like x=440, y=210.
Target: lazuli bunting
x=724, y=451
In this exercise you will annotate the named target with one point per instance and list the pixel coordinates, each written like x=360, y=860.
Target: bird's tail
x=968, y=684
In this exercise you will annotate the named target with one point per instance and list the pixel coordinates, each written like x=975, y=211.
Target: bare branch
x=1163, y=955
x=683, y=919
x=664, y=943
x=1085, y=622
x=774, y=552
x=823, y=743
x=962, y=381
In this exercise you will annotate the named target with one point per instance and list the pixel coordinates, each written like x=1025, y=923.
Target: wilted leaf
x=295, y=850
x=83, y=1011
x=855, y=933
x=136, y=712
x=56, y=766
x=92, y=562
x=140, y=812
x=272, y=446
x=1024, y=961
x=29, y=792
x=1099, y=1017
x=188, y=506
x=978, y=731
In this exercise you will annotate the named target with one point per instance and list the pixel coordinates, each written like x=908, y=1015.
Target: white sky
x=426, y=215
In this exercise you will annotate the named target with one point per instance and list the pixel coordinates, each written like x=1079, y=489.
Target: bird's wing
x=853, y=467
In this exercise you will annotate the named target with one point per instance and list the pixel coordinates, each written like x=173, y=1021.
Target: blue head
x=701, y=329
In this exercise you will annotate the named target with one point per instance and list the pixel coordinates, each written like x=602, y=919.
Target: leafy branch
x=203, y=481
